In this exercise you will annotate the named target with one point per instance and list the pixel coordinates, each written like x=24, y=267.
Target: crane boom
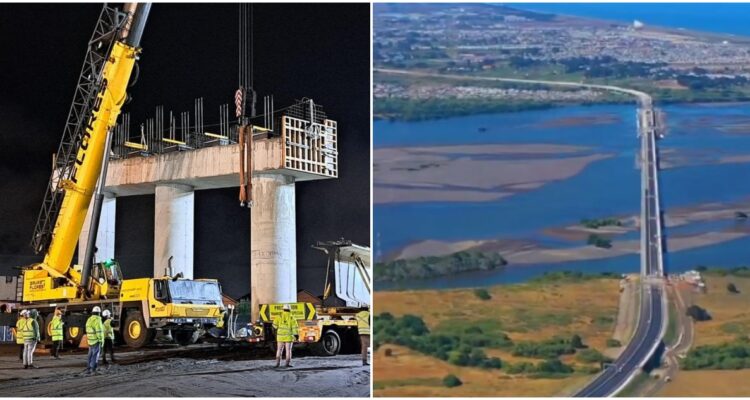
x=79, y=182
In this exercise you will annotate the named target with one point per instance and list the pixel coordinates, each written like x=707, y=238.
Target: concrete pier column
x=273, y=250
x=105, y=237
x=173, y=228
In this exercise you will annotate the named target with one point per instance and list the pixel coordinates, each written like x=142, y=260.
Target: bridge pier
x=174, y=210
x=105, y=236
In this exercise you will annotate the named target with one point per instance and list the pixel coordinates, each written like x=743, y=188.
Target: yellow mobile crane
x=140, y=307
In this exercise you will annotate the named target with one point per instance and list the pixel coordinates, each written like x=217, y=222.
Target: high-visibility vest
x=30, y=329
x=109, y=333
x=57, y=328
x=286, y=327
x=20, y=327
x=94, y=330
x=363, y=322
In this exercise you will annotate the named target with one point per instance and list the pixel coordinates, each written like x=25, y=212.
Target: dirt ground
x=197, y=371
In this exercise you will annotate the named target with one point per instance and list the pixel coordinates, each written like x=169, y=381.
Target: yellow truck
x=140, y=307
x=329, y=327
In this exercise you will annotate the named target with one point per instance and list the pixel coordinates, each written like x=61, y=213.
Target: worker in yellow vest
x=31, y=336
x=363, y=328
x=18, y=331
x=109, y=337
x=286, y=330
x=56, y=329
x=95, y=337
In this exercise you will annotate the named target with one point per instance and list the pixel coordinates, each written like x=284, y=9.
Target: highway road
x=652, y=320
x=653, y=315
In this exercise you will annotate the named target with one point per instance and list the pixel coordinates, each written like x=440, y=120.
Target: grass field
x=534, y=311
x=708, y=384
x=730, y=315
x=730, y=312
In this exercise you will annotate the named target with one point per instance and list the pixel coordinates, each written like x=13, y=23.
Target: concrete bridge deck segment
x=303, y=151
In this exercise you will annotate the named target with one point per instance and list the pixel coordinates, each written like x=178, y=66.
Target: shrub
x=590, y=356
x=613, y=343
x=482, y=294
x=731, y=288
x=698, y=313
x=451, y=381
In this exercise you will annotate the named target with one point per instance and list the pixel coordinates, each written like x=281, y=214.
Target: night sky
x=190, y=50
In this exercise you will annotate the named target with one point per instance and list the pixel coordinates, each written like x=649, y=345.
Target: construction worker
x=31, y=336
x=19, y=329
x=56, y=328
x=286, y=331
x=109, y=337
x=363, y=327
x=95, y=337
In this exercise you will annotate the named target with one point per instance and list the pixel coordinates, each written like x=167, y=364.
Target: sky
x=319, y=51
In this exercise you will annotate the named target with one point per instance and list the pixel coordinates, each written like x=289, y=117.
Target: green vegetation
x=613, y=343
x=591, y=356
x=571, y=276
x=599, y=241
x=732, y=355
x=547, y=349
x=598, y=223
x=739, y=328
x=741, y=272
x=463, y=349
x=698, y=313
x=381, y=384
x=451, y=381
x=430, y=267
x=462, y=343
x=482, y=294
x=418, y=110
x=552, y=368
x=731, y=288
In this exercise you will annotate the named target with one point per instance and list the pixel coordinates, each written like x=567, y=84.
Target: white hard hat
x=96, y=309
x=105, y=313
x=24, y=312
x=286, y=307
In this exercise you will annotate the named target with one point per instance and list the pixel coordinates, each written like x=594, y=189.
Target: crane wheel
x=47, y=331
x=134, y=330
x=328, y=345
x=74, y=334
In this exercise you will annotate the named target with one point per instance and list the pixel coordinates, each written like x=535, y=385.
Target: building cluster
x=491, y=34
x=693, y=278
x=432, y=92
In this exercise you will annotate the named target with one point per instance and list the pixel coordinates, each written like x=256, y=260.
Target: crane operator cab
x=106, y=279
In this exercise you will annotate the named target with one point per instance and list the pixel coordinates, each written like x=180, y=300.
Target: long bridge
x=652, y=321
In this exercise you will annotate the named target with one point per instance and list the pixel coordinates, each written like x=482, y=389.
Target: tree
x=451, y=381
x=577, y=342
x=698, y=313
x=482, y=294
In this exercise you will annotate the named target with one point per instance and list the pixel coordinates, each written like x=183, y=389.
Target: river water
x=604, y=188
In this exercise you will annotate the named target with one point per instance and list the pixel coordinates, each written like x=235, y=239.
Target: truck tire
x=134, y=331
x=74, y=334
x=328, y=345
x=184, y=337
x=46, y=328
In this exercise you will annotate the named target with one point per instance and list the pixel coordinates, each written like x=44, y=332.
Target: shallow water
x=604, y=188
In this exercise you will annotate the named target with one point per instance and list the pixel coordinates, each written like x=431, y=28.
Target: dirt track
x=197, y=372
